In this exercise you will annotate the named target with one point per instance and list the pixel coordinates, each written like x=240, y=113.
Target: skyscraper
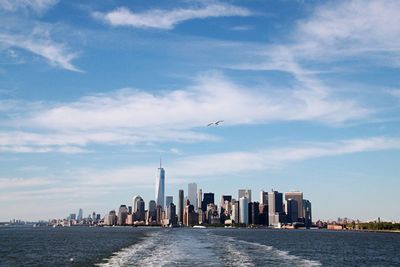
x=122, y=214
x=292, y=210
x=235, y=211
x=135, y=202
x=160, y=186
x=244, y=210
x=153, y=210
x=298, y=197
x=307, y=212
x=254, y=213
x=245, y=193
x=275, y=207
x=180, y=211
x=199, y=198
x=208, y=198
x=172, y=214
x=80, y=215
x=168, y=200
x=192, y=190
x=263, y=198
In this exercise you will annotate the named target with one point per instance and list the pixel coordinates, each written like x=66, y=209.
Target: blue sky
x=92, y=93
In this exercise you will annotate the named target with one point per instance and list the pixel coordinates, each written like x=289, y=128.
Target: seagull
x=214, y=123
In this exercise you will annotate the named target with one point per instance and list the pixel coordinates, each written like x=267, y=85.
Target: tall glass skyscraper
x=192, y=192
x=160, y=186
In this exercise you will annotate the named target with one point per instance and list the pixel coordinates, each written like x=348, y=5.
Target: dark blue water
x=22, y=246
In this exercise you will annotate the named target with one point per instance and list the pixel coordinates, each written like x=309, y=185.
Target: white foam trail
x=189, y=247
x=129, y=254
x=284, y=255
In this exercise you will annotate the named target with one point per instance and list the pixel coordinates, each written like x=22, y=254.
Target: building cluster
x=198, y=208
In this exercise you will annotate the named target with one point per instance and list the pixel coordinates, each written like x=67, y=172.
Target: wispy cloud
x=351, y=27
x=35, y=5
x=15, y=183
x=168, y=19
x=241, y=161
x=131, y=116
x=219, y=164
x=55, y=53
x=89, y=184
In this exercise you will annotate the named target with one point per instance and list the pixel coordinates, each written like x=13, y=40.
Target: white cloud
x=211, y=97
x=89, y=184
x=175, y=151
x=15, y=183
x=130, y=116
x=228, y=163
x=240, y=161
x=36, y=5
x=55, y=53
x=370, y=23
x=168, y=19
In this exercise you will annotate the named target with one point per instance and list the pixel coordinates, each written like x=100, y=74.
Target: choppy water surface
x=191, y=247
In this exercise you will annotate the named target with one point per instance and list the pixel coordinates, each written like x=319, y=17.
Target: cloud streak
x=55, y=53
x=168, y=19
x=129, y=116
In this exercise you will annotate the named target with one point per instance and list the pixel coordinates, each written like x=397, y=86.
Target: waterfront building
x=254, y=213
x=129, y=219
x=180, y=204
x=275, y=208
x=263, y=214
x=235, y=211
x=112, y=218
x=244, y=210
x=212, y=215
x=263, y=197
x=292, y=210
x=80, y=215
x=168, y=200
x=245, y=193
x=152, y=214
x=225, y=199
x=138, y=209
x=208, y=198
x=199, y=199
x=122, y=215
x=172, y=214
x=192, y=194
x=298, y=197
x=160, y=186
x=307, y=213
x=159, y=210
x=135, y=201
x=190, y=216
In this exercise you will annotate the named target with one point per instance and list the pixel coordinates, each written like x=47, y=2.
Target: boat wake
x=190, y=247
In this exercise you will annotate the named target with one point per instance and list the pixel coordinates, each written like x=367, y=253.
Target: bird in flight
x=214, y=123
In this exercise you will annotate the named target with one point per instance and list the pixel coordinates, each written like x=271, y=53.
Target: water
x=125, y=246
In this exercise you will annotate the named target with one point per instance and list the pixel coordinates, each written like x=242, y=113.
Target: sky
x=93, y=92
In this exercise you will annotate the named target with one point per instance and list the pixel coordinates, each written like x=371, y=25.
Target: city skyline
x=92, y=93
